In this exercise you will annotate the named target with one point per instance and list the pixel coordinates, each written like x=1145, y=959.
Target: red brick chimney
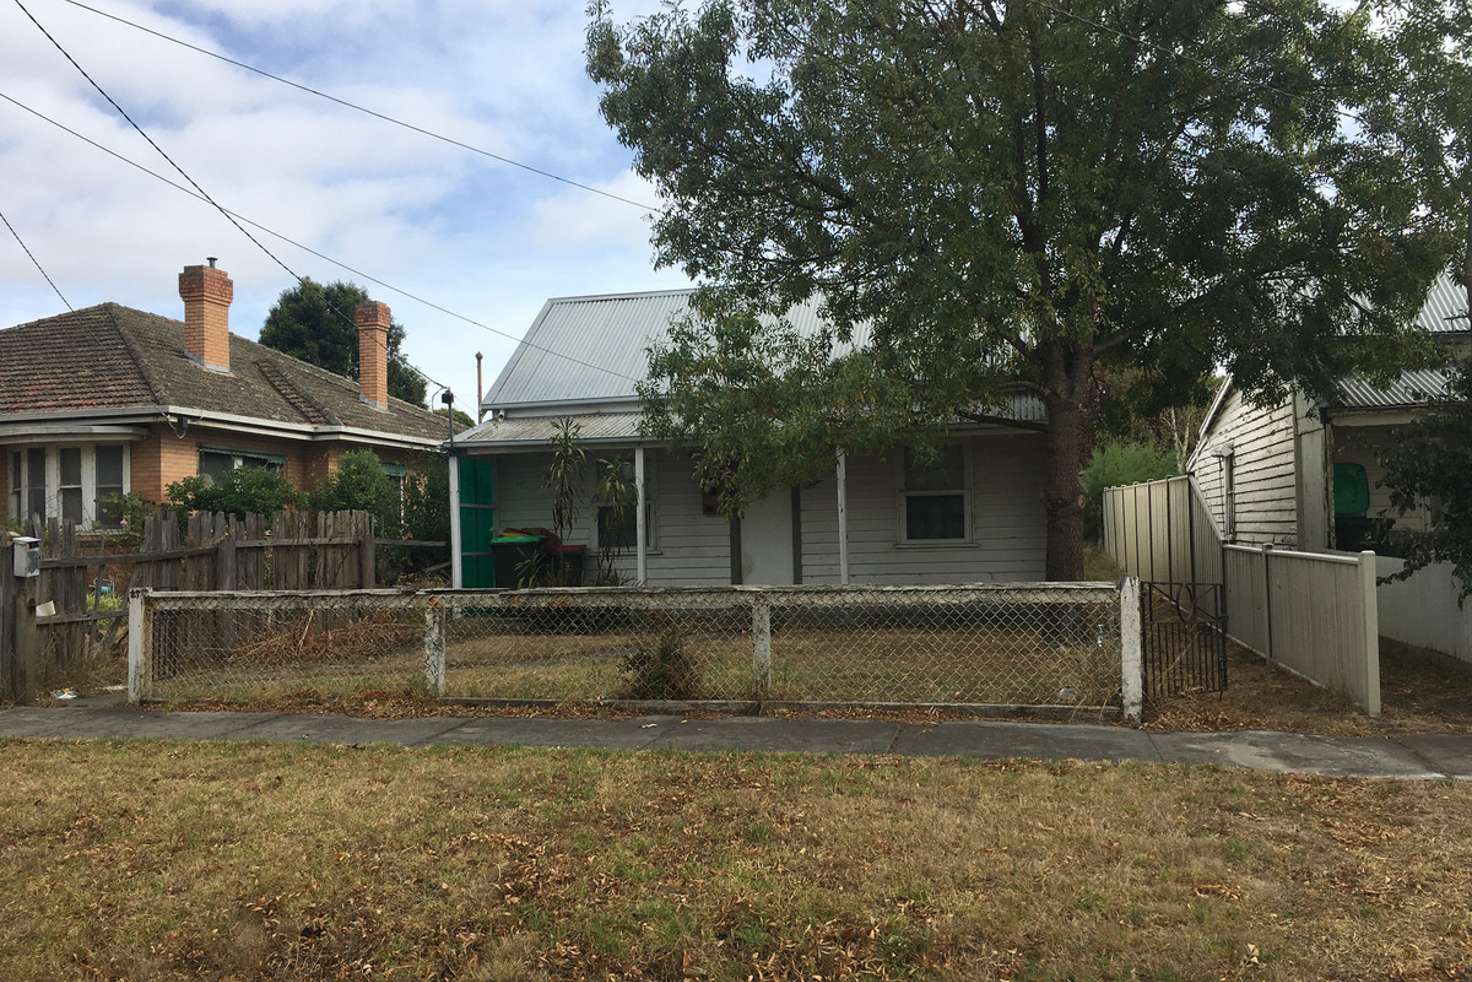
x=207, y=292
x=373, y=319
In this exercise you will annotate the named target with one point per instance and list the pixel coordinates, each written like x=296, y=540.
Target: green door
x=477, y=521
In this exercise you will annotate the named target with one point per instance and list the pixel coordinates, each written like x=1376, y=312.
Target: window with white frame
x=935, y=495
x=13, y=479
x=76, y=483
x=616, y=528
x=215, y=464
x=35, y=474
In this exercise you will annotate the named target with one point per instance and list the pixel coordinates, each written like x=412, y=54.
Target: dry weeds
x=172, y=861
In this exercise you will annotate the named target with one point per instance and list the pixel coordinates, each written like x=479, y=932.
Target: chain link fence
x=1053, y=644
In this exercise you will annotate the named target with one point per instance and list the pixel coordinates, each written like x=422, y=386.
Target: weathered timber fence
x=1312, y=613
x=73, y=616
x=1059, y=647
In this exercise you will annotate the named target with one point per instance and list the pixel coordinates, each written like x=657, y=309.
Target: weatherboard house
x=974, y=515
x=106, y=400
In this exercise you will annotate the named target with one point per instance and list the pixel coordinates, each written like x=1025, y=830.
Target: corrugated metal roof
x=624, y=427
x=1446, y=307
x=609, y=335
x=532, y=430
x=1413, y=388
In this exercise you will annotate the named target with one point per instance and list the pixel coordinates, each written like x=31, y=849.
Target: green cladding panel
x=477, y=521
x=1351, y=489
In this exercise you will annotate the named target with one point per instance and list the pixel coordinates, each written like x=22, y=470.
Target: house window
x=75, y=484
x=618, y=528
x=110, y=486
x=36, y=482
x=1229, y=495
x=14, y=480
x=934, y=496
x=71, y=484
x=215, y=464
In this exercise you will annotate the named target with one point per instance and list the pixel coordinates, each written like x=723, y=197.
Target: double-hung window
x=36, y=483
x=17, y=492
x=617, y=526
x=78, y=484
x=70, y=460
x=935, y=496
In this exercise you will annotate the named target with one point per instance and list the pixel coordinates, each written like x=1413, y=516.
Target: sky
x=474, y=235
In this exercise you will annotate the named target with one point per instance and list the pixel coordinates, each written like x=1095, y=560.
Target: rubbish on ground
x=67, y=693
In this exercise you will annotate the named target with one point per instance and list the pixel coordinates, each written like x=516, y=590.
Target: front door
x=766, y=541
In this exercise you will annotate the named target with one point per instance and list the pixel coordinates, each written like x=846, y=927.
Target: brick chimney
x=373, y=319
x=207, y=292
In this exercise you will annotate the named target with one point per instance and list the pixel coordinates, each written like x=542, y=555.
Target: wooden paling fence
x=74, y=613
x=1312, y=613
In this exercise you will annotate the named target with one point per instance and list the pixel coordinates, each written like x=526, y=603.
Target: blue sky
x=478, y=236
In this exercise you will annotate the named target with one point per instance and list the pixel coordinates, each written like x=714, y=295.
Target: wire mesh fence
x=1015, y=645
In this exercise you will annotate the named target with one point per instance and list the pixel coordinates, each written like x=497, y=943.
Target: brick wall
x=162, y=458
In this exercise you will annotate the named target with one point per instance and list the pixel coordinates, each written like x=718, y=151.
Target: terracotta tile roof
x=115, y=357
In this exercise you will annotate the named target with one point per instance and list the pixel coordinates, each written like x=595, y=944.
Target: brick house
x=108, y=399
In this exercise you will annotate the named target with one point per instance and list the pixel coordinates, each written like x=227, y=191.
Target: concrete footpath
x=1408, y=757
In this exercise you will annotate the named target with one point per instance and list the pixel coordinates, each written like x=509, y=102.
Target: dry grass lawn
x=244, y=861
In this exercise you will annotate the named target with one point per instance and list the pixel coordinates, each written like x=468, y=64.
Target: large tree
x=990, y=195
x=314, y=322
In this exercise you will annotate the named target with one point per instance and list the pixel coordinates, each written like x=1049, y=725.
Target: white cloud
x=475, y=235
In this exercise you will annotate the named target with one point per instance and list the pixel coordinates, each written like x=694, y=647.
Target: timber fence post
x=761, y=645
x=140, y=645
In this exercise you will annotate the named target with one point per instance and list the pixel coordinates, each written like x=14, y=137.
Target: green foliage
x=427, y=499
x=1431, y=460
x=613, y=492
x=463, y=420
x=303, y=325
x=244, y=491
x=133, y=510
x=564, y=474
x=360, y=484
x=1003, y=194
x=663, y=670
x=1114, y=464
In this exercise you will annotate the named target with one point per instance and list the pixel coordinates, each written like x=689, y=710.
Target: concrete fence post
x=761, y=645
x=435, y=615
x=1131, y=649
x=1371, y=615
x=140, y=645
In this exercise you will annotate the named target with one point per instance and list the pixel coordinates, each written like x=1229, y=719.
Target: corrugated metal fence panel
x=1307, y=612
x=1247, y=609
x=1161, y=531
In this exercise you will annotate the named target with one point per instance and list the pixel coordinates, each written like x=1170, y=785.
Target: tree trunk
x=1063, y=491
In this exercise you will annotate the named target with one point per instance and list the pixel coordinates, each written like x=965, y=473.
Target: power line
x=376, y=114
x=308, y=249
x=34, y=261
x=200, y=191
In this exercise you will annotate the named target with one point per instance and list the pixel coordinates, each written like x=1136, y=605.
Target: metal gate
x=1185, y=628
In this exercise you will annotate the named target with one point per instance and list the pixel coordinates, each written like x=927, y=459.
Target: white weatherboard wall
x=1423, y=611
x=1261, y=439
x=690, y=548
x=1009, y=527
x=1008, y=524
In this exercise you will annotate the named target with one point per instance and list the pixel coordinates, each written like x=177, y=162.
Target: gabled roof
x=609, y=335
x=1445, y=311
x=115, y=357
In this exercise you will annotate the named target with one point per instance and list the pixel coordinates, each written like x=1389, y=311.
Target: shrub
x=663, y=670
x=1122, y=462
x=360, y=484
x=244, y=491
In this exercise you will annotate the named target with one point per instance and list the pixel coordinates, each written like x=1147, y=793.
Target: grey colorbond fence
x=1061, y=646
x=1312, y=613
